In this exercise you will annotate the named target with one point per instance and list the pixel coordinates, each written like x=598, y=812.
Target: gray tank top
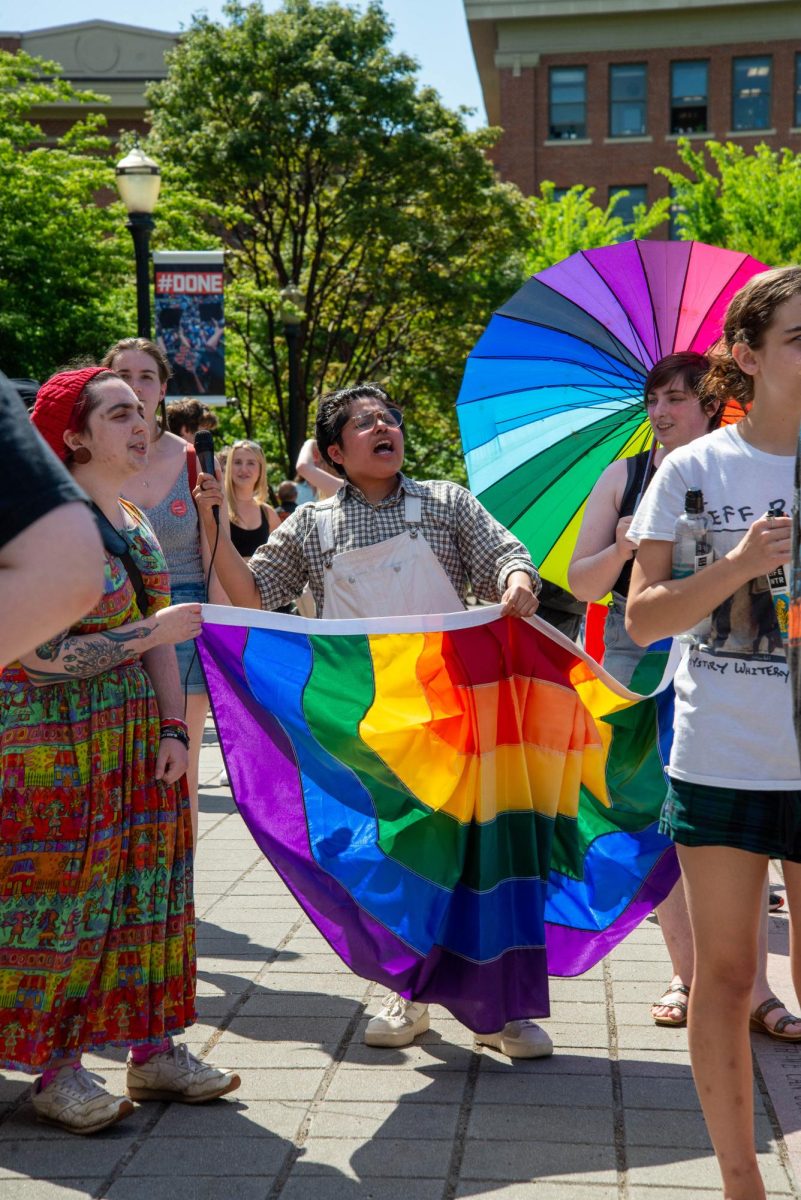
x=176, y=525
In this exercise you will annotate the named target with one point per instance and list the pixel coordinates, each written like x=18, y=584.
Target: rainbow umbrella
x=552, y=391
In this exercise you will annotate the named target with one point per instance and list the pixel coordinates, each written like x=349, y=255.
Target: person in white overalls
x=384, y=545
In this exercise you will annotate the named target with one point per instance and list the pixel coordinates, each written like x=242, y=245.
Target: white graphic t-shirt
x=733, y=722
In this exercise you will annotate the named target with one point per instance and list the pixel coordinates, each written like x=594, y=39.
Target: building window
x=689, y=97
x=568, y=103
x=626, y=205
x=797, y=120
x=751, y=93
x=628, y=92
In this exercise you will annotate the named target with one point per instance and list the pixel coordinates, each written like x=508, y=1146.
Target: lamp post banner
x=190, y=321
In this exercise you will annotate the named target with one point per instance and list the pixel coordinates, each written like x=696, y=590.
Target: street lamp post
x=292, y=305
x=138, y=182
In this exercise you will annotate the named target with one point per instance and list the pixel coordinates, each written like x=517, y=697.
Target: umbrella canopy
x=552, y=392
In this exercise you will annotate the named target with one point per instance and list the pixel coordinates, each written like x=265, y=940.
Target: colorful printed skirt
x=96, y=913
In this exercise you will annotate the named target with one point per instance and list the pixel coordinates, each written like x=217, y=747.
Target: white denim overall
x=403, y=577
x=398, y=577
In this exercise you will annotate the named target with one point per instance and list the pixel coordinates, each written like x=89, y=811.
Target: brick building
x=598, y=91
x=117, y=61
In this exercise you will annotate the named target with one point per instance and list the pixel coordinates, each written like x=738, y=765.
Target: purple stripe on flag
x=574, y=951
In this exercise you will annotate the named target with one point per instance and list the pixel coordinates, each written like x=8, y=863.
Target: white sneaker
x=397, y=1023
x=178, y=1075
x=222, y=778
x=519, y=1039
x=75, y=1102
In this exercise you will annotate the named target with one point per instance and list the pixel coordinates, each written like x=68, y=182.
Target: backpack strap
x=191, y=469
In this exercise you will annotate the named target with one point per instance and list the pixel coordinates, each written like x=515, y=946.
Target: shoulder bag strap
x=115, y=543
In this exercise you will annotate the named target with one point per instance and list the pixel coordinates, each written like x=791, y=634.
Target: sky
x=432, y=31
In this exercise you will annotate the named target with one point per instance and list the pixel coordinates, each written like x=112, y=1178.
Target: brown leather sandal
x=664, y=1001
x=758, y=1024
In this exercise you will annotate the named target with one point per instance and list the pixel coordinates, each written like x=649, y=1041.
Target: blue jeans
x=188, y=660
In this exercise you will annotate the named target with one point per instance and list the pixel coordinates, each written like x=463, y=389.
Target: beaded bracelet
x=174, y=723
x=178, y=734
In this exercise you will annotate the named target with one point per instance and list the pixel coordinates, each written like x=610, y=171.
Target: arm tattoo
x=50, y=650
x=85, y=656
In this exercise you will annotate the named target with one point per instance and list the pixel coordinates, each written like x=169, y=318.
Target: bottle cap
x=694, y=500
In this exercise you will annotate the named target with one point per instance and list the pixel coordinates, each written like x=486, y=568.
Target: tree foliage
x=63, y=268
x=560, y=227
x=748, y=201
x=322, y=162
x=66, y=257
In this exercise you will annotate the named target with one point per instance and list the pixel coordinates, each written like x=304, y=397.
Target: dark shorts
x=766, y=823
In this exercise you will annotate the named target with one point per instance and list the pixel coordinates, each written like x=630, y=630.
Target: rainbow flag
x=418, y=784
x=617, y=867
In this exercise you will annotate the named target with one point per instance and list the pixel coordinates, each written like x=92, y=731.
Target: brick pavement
x=612, y=1116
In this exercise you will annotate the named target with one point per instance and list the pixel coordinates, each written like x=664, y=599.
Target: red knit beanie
x=52, y=414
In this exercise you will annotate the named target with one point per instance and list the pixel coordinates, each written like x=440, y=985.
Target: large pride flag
x=439, y=795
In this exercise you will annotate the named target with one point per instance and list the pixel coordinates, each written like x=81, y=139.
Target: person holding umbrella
x=734, y=799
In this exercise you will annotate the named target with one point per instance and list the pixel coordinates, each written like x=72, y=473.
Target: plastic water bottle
x=692, y=551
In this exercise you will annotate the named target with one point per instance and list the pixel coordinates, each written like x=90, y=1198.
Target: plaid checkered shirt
x=472, y=547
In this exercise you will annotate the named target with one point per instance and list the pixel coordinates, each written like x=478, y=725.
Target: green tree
x=63, y=269
x=322, y=162
x=66, y=257
x=560, y=227
x=742, y=200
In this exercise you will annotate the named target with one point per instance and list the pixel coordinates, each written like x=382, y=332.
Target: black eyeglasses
x=391, y=417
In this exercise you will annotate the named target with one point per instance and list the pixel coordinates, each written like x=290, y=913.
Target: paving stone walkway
x=612, y=1116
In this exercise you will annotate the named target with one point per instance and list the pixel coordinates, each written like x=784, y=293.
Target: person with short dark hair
x=603, y=556
x=384, y=545
x=287, y=498
x=186, y=417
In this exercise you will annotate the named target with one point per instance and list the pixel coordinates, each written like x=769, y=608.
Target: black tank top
x=247, y=541
x=636, y=482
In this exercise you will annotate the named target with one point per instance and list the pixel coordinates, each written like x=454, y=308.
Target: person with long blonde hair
x=252, y=518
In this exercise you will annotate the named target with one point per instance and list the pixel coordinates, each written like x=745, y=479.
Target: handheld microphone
x=204, y=449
